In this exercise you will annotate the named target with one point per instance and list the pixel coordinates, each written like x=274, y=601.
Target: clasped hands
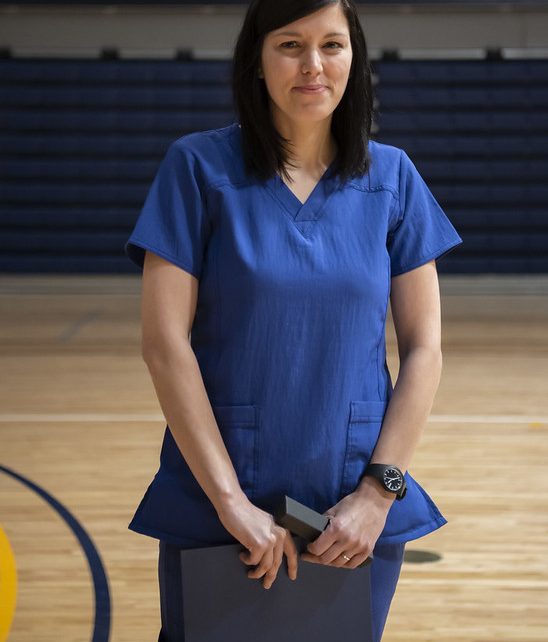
x=355, y=524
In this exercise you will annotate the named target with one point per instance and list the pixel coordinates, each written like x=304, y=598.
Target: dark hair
x=264, y=148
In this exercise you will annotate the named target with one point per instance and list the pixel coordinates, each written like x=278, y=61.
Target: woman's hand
x=354, y=527
x=265, y=540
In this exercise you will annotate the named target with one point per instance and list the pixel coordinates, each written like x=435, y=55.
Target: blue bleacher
x=80, y=141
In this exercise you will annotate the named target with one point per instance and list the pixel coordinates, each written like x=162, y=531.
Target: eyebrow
x=296, y=33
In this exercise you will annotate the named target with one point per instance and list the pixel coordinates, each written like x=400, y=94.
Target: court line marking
x=101, y=625
x=85, y=417
x=72, y=329
x=471, y=580
x=488, y=419
x=123, y=417
x=8, y=585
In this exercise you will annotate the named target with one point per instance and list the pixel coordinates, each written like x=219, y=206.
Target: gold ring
x=346, y=557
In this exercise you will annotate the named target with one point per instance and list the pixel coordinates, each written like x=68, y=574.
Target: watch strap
x=377, y=470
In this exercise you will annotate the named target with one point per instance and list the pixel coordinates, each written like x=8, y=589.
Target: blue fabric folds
x=289, y=331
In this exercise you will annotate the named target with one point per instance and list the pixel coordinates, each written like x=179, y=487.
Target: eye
x=292, y=44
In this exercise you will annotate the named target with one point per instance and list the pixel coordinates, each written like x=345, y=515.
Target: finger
x=308, y=557
x=264, y=564
x=276, y=563
x=329, y=559
x=334, y=554
x=357, y=560
x=326, y=539
x=251, y=557
x=343, y=562
x=356, y=557
x=292, y=555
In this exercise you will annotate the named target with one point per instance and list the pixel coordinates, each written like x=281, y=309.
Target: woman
x=277, y=241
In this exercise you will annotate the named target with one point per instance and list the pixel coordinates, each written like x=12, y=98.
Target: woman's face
x=313, y=51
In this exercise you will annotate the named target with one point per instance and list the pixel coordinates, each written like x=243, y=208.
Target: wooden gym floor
x=80, y=433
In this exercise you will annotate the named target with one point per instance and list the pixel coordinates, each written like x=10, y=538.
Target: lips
x=311, y=89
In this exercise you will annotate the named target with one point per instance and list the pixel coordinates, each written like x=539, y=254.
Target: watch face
x=393, y=479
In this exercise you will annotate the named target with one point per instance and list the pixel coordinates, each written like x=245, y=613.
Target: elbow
x=160, y=353
x=430, y=355
x=146, y=352
x=149, y=348
x=439, y=360
x=434, y=356
x=435, y=362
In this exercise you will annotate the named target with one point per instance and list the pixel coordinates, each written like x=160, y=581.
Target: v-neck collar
x=312, y=198
x=304, y=215
x=312, y=208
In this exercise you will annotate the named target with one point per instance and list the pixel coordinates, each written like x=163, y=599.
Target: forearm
x=183, y=398
x=408, y=410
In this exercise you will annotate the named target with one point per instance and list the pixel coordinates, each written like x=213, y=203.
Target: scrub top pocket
x=364, y=426
x=239, y=427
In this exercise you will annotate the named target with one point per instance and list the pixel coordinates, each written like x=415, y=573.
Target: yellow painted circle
x=8, y=585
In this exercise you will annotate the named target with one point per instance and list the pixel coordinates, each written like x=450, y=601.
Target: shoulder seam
x=377, y=188
x=207, y=186
x=222, y=181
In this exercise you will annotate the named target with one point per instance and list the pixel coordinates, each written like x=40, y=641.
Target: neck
x=313, y=147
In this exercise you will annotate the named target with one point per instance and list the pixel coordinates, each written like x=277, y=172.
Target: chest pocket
x=239, y=428
x=364, y=426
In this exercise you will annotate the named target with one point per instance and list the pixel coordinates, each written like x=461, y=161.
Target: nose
x=312, y=62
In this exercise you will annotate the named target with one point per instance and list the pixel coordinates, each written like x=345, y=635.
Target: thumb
x=246, y=556
x=311, y=547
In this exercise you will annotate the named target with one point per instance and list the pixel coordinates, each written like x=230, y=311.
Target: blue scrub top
x=289, y=331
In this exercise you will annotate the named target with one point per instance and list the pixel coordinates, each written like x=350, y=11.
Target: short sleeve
x=173, y=221
x=422, y=231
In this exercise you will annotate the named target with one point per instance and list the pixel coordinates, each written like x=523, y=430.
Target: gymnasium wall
x=90, y=97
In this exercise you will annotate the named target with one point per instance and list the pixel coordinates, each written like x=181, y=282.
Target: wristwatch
x=390, y=477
